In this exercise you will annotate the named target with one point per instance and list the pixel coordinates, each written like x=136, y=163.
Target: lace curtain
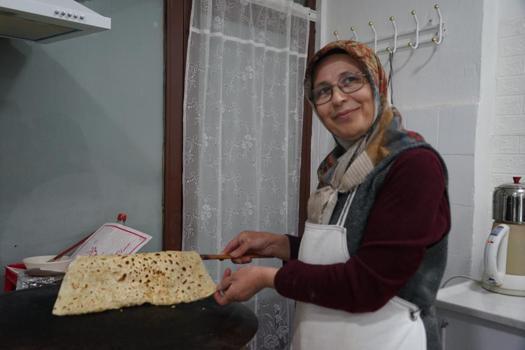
x=242, y=136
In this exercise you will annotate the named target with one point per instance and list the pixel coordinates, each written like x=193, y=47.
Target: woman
x=367, y=269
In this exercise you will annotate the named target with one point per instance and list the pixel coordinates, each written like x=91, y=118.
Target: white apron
x=396, y=326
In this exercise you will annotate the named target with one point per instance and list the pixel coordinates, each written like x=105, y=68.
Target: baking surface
x=27, y=323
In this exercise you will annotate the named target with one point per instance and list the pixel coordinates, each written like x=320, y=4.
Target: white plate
x=41, y=262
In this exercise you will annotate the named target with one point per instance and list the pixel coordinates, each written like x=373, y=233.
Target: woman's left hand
x=244, y=283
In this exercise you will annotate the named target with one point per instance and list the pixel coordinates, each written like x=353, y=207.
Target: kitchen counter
x=471, y=299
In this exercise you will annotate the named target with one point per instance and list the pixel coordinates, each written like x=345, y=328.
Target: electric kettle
x=504, y=256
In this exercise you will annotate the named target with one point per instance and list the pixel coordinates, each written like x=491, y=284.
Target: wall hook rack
x=356, y=38
x=439, y=39
x=410, y=43
x=390, y=50
x=371, y=24
x=420, y=35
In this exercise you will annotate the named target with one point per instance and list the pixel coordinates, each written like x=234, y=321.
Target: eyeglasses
x=348, y=83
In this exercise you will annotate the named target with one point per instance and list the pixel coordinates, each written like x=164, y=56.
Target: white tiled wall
x=461, y=179
x=425, y=121
x=437, y=90
x=508, y=139
x=451, y=129
x=459, y=258
x=457, y=129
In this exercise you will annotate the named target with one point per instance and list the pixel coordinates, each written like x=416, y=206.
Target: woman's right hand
x=249, y=243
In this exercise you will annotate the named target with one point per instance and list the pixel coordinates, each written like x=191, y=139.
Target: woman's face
x=347, y=116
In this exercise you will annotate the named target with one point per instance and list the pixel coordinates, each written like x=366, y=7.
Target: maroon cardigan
x=411, y=213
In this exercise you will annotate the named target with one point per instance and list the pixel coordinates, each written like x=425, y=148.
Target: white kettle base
x=506, y=291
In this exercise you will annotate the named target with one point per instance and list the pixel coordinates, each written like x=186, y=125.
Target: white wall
x=482, y=220
x=438, y=91
x=508, y=139
x=509, y=131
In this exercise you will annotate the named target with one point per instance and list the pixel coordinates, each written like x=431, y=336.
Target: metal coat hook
x=356, y=38
x=371, y=24
x=412, y=45
x=393, y=20
x=439, y=39
x=432, y=33
x=336, y=34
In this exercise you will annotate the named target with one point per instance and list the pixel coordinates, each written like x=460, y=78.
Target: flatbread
x=105, y=282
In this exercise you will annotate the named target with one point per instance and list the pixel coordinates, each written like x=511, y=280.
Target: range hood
x=48, y=20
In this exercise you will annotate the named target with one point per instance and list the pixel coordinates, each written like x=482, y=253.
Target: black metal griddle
x=26, y=322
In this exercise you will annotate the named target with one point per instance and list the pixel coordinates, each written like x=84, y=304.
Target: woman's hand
x=244, y=283
x=249, y=243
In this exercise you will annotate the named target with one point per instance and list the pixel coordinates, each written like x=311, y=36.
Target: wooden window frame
x=177, y=15
x=306, y=140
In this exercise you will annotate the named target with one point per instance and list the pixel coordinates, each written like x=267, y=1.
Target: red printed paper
x=111, y=239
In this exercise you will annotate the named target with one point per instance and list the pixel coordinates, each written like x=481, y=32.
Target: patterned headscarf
x=365, y=58
x=344, y=169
